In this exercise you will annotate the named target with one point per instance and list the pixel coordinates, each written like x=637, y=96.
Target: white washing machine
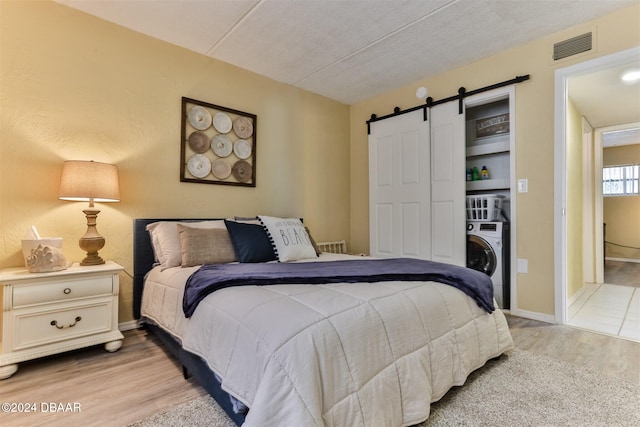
x=488, y=251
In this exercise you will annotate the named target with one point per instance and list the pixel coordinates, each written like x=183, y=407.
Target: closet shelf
x=488, y=184
x=490, y=148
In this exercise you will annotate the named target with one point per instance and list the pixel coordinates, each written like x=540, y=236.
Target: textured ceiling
x=352, y=50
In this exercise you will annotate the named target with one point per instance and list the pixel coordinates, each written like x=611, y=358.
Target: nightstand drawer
x=45, y=327
x=61, y=290
x=58, y=311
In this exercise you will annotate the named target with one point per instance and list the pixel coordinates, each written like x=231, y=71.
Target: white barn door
x=399, y=189
x=448, y=201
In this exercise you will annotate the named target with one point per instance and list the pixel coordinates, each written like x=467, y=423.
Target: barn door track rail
x=462, y=93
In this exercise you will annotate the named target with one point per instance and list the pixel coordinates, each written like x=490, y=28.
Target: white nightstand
x=49, y=313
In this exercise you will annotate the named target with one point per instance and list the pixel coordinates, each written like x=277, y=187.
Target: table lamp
x=89, y=181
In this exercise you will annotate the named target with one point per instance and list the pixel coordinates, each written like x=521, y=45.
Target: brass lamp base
x=92, y=241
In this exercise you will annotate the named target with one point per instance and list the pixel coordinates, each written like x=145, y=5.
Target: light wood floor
x=115, y=389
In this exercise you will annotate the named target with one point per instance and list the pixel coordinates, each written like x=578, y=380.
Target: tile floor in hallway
x=609, y=309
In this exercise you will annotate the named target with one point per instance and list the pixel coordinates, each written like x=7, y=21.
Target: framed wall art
x=218, y=145
x=493, y=125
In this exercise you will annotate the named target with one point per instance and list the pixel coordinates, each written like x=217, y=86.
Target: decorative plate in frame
x=221, y=169
x=199, y=165
x=199, y=142
x=242, y=171
x=222, y=122
x=243, y=127
x=221, y=145
x=199, y=117
x=218, y=144
x=242, y=149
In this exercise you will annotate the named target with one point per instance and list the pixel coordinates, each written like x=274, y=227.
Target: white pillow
x=165, y=239
x=289, y=237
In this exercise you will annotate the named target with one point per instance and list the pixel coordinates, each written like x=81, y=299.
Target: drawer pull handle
x=55, y=323
x=67, y=291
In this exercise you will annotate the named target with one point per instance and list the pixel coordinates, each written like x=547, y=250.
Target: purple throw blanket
x=212, y=277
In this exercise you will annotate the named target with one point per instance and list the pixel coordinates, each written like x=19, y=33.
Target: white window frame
x=621, y=180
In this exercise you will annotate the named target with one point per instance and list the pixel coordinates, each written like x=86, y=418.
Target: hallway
x=622, y=273
x=609, y=309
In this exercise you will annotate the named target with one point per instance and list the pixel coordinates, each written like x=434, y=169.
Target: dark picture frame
x=218, y=144
x=492, y=125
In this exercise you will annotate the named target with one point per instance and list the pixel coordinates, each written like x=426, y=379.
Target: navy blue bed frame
x=192, y=365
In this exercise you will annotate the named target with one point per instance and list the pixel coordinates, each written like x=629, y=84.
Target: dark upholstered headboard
x=143, y=257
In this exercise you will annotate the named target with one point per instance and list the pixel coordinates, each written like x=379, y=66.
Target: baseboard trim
x=575, y=296
x=622, y=259
x=547, y=318
x=127, y=326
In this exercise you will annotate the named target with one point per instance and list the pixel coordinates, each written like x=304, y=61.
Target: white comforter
x=369, y=354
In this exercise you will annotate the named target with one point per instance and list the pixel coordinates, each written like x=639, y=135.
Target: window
x=620, y=180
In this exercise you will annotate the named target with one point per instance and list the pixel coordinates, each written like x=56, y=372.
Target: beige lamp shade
x=90, y=181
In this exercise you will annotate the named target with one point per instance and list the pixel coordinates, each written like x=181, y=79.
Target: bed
x=375, y=351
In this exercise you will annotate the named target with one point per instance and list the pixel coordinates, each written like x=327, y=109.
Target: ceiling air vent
x=573, y=46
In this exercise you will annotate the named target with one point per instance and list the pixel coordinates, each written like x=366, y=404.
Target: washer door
x=480, y=255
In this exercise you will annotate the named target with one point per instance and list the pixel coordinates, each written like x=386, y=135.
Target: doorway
x=609, y=302
x=565, y=212
x=618, y=148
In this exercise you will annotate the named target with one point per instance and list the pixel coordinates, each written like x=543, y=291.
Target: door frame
x=562, y=77
x=589, y=255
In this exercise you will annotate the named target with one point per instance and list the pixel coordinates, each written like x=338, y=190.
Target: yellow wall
x=575, y=280
x=76, y=87
x=622, y=214
x=534, y=139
